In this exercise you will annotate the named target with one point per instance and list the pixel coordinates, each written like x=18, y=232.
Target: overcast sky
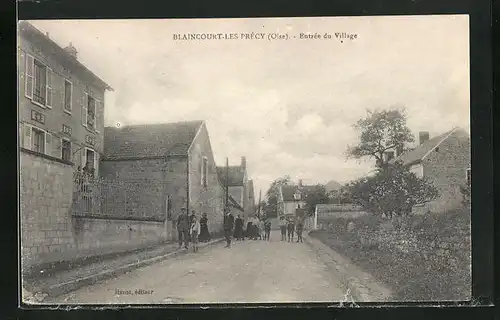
x=287, y=105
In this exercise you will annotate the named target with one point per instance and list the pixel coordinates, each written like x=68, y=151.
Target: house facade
x=61, y=102
x=240, y=187
x=171, y=166
x=290, y=199
x=443, y=160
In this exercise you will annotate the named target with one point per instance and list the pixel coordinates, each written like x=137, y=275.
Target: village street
x=250, y=271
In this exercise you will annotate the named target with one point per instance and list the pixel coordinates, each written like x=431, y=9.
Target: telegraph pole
x=258, y=212
x=227, y=186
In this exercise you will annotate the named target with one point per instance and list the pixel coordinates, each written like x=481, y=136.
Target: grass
x=410, y=276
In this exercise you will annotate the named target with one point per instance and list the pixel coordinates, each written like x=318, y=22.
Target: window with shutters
x=38, y=85
x=68, y=94
x=91, y=112
x=66, y=150
x=38, y=140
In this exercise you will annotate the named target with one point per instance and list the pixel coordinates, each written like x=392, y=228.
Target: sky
x=288, y=106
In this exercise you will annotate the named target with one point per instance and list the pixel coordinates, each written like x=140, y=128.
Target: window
x=389, y=155
x=89, y=162
x=204, y=171
x=91, y=112
x=68, y=93
x=66, y=150
x=38, y=140
x=467, y=173
x=38, y=85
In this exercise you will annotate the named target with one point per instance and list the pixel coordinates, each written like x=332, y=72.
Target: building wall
x=49, y=231
x=205, y=199
x=446, y=169
x=237, y=193
x=291, y=206
x=153, y=181
x=56, y=116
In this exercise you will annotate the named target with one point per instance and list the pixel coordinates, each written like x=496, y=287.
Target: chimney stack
x=423, y=136
x=71, y=50
x=243, y=163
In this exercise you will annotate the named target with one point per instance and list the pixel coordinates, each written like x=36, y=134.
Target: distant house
x=172, y=166
x=240, y=187
x=290, y=199
x=445, y=161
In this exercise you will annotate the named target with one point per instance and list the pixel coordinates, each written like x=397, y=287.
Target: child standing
x=195, y=231
x=290, y=229
x=300, y=228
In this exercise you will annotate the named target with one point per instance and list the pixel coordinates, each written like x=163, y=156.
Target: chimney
x=71, y=50
x=423, y=136
x=243, y=163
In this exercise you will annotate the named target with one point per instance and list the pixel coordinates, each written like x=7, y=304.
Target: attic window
x=437, y=149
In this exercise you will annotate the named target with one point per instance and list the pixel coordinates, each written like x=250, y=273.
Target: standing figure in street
x=261, y=229
x=267, y=229
x=195, y=231
x=183, y=228
x=282, y=225
x=238, y=228
x=204, y=233
x=228, y=226
x=290, y=229
x=249, y=231
x=300, y=229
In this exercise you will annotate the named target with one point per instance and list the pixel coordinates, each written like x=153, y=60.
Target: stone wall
x=49, y=231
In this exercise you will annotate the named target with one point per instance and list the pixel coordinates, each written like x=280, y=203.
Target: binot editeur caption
x=266, y=36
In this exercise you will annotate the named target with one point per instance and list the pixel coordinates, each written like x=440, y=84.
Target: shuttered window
x=68, y=95
x=66, y=150
x=29, y=78
x=38, y=140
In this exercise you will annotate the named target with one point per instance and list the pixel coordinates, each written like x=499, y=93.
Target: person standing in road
x=267, y=229
x=290, y=229
x=195, y=231
x=228, y=227
x=238, y=228
x=300, y=229
x=183, y=228
x=282, y=225
x=204, y=233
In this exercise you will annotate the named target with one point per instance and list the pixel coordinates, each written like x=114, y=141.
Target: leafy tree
x=338, y=196
x=315, y=195
x=392, y=191
x=270, y=207
x=381, y=131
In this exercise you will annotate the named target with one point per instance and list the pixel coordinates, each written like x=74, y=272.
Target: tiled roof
x=151, y=140
x=416, y=155
x=36, y=36
x=289, y=191
x=236, y=175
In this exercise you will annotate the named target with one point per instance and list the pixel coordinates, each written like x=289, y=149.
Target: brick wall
x=208, y=199
x=56, y=117
x=446, y=169
x=49, y=232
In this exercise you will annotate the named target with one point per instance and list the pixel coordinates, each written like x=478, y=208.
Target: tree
x=392, y=191
x=315, y=195
x=271, y=204
x=381, y=131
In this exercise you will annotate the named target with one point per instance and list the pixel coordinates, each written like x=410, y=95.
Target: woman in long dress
x=204, y=233
x=238, y=228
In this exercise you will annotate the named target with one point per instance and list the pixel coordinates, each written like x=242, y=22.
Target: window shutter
x=96, y=163
x=26, y=136
x=84, y=110
x=48, y=144
x=97, y=120
x=83, y=158
x=48, y=88
x=28, y=88
x=57, y=147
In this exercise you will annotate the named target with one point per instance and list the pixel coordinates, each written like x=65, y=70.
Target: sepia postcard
x=255, y=160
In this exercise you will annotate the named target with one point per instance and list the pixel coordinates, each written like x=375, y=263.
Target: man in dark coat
x=204, y=233
x=238, y=228
x=183, y=228
x=228, y=226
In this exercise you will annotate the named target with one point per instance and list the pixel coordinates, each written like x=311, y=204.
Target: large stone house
x=61, y=101
x=240, y=187
x=171, y=166
x=445, y=161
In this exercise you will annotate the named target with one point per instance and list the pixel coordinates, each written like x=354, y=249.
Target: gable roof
x=149, y=140
x=420, y=152
x=37, y=37
x=288, y=192
x=236, y=175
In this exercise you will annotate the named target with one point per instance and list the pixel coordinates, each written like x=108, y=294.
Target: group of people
x=192, y=229
x=288, y=228
x=256, y=228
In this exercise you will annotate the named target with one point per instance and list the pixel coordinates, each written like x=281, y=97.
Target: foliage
x=392, y=191
x=381, y=131
x=315, y=195
x=338, y=197
x=270, y=207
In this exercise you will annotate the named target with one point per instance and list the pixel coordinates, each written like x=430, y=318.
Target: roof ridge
x=445, y=135
x=156, y=124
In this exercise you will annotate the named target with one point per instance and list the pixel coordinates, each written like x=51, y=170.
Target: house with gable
x=170, y=165
x=445, y=161
x=291, y=198
x=239, y=186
